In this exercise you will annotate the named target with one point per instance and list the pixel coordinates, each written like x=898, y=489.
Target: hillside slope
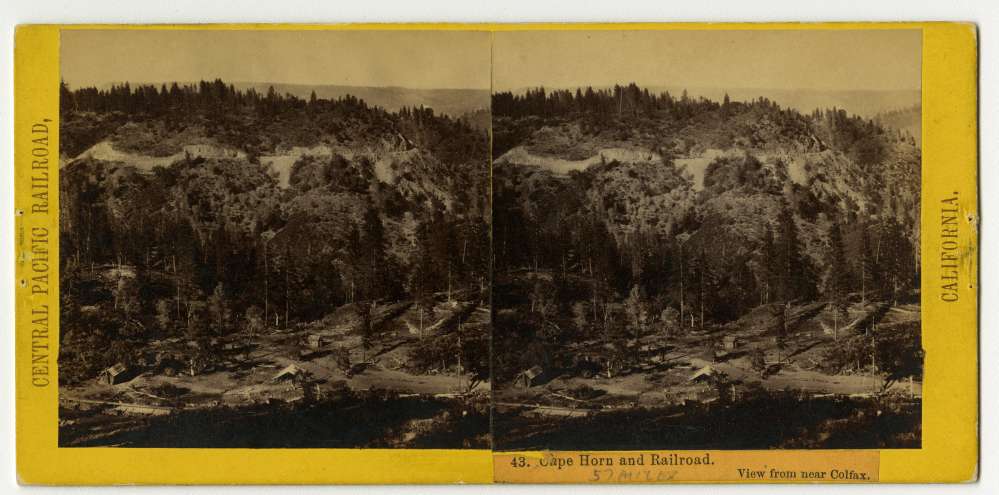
x=232, y=209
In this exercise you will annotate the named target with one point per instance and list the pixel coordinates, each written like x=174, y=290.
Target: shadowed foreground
x=763, y=421
x=369, y=421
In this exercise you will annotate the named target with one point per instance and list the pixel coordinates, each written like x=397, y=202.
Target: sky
x=725, y=60
x=825, y=60
x=412, y=59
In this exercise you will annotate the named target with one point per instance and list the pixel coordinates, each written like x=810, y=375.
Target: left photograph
x=274, y=239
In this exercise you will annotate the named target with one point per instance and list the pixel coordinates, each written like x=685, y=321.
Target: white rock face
x=282, y=161
x=522, y=156
x=105, y=151
x=695, y=165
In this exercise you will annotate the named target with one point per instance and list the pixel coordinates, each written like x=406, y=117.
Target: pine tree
x=637, y=307
x=602, y=268
x=867, y=266
x=372, y=256
x=66, y=99
x=770, y=265
x=218, y=309
x=703, y=282
x=366, y=328
x=837, y=277
x=897, y=261
x=795, y=272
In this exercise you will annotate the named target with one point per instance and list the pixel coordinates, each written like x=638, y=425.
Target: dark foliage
x=366, y=420
x=764, y=420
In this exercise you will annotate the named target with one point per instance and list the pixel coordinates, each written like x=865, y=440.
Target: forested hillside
x=635, y=213
x=202, y=210
x=730, y=274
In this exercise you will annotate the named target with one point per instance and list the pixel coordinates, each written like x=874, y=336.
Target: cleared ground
x=676, y=376
x=273, y=368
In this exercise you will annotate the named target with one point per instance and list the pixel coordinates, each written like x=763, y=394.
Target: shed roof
x=533, y=372
x=116, y=370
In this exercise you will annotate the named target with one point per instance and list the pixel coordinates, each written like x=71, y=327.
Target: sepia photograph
x=274, y=239
x=706, y=239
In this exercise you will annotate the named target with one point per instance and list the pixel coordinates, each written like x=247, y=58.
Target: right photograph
x=706, y=239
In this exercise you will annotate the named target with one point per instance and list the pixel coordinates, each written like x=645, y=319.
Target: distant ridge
x=904, y=119
x=865, y=103
x=448, y=101
x=453, y=102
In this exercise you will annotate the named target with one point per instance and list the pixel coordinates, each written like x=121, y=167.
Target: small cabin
x=731, y=342
x=290, y=372
x=530, y=377
x=706, y=374
x=114, y=375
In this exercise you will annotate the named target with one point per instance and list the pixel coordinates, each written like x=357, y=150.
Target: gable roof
x=288, y=371
x=704, y=373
